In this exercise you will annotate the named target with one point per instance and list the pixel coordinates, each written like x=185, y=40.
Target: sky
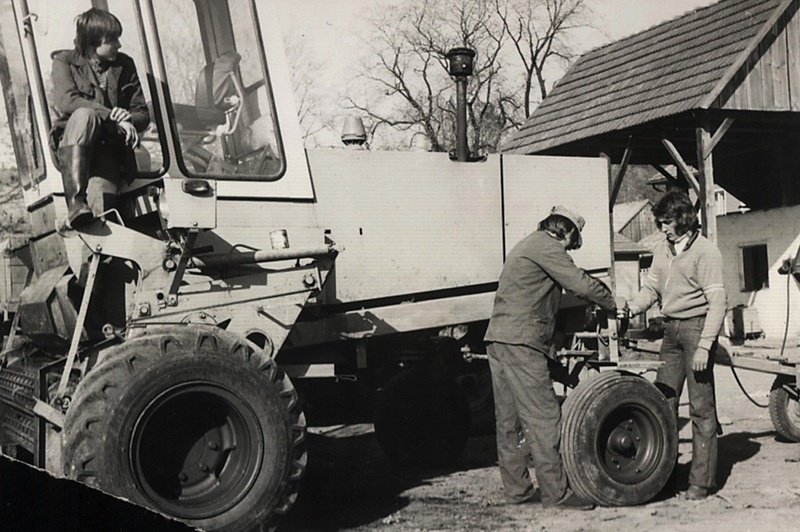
x=330, y=27
x=331, y=30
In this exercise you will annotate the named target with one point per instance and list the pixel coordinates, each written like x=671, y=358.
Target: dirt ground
x=350, y=485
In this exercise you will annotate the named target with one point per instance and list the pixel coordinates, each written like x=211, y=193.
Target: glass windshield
x=221, y=101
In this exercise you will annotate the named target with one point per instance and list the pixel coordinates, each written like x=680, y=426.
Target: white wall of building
x=779, y=229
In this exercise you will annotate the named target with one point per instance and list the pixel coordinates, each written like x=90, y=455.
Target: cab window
x=219, y=92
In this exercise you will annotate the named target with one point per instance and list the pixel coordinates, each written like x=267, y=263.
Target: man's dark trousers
x=523, y=392
x=677, y=349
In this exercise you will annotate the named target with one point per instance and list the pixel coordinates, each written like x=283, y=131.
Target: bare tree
x=538, y=31
x=408, y=63
x=310, y=96
x=517, y=43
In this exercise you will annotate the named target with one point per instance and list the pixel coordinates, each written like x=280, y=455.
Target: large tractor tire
x=192, y=422
x=422, y=418
x=784, y=409
x=619, y=439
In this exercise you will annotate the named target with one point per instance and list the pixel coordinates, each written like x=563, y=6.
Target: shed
x=717, y=88
x=634, y=219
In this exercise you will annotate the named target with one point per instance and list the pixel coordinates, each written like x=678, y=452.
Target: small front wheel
x=784, y=408
x=619, y=439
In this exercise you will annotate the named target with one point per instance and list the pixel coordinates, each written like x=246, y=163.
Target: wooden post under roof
x=705, y=174
x=706, y=141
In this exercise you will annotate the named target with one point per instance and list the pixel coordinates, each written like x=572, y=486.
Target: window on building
x=720, y=203
x=755, y=268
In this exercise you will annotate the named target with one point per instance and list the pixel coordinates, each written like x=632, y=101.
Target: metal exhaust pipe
x=460, y=67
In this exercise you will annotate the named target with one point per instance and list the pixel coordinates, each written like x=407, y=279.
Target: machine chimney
x=460, y=67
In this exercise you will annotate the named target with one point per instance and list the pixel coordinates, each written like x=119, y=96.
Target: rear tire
x=422, y=418
x=784, y=409
x=193, y=423
x=619, y=439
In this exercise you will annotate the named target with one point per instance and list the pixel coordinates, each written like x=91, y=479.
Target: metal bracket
x=49, y=413
x=94, y=262
x=186, y=254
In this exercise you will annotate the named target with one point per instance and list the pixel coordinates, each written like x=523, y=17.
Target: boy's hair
x=677, y=206
x=558, y=225
x=94, y=26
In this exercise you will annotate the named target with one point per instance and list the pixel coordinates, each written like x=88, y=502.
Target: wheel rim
x=196, y=466
x=630, y=444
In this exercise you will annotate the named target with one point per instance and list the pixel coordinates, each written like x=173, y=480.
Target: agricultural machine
x=173, y=351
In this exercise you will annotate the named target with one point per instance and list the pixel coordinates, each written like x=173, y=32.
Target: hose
x=783, y=345
x=741, y=387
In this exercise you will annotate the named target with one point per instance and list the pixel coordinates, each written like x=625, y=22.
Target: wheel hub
x=629, y=444
x=195, y=452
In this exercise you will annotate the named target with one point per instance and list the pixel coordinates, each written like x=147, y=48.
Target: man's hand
x=131, y=135
x=623, y=312
x=119, y=115
x=700, y=359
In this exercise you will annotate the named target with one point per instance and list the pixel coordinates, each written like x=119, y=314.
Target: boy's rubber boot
x=75, y=162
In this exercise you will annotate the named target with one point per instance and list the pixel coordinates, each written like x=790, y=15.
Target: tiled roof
x=670, y=68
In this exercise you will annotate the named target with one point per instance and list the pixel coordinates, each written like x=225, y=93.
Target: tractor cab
x=216, y=85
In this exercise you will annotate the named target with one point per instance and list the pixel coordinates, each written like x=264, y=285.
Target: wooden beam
x=671, y=178
x=718, y=134
x=706, y=174
x=686, y=171
x=623, y=167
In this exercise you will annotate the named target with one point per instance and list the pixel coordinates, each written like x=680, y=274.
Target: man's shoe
x=531, y=496
x=574, y=502
x=696, y=493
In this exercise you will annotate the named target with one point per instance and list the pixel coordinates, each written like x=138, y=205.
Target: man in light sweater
x=686, y=278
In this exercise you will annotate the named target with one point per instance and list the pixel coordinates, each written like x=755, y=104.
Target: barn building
x=716, y=90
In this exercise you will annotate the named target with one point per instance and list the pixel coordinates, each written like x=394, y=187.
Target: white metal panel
x=409, y=222
x=532, y=185
x=194, y=211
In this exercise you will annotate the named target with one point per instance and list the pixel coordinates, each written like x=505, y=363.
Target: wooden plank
x=756, y=364
x=793, y=60
x=671, y=178
x=762, y=75
x=718, y=134
x=684, y=168
x=779, y=73
x=626, y=157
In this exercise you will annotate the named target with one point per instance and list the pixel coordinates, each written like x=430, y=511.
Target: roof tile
x=665, y=70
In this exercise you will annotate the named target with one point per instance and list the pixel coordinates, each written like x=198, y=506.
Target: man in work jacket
x=686, y=278
x=520, y=339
